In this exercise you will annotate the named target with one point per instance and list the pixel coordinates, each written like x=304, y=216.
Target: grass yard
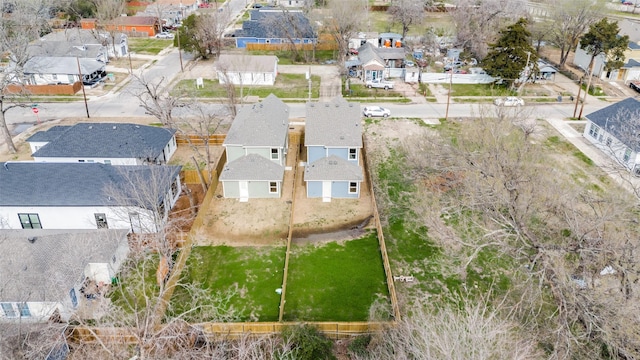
x=480, y=90
x=135, y=283
x=286, y=86
x=256, y=272
x=148, y=46
x=358, y=90
x=337, y=282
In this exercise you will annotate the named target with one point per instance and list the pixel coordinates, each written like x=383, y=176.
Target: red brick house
x=130, y=25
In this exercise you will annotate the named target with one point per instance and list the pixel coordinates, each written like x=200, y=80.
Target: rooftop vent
x=90, y=126
x=32, y=239
x=326, y=105
x=114, y=127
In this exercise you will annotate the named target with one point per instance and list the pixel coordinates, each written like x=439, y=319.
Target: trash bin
x=559, y=98
x=111, y=77
x=571, y=98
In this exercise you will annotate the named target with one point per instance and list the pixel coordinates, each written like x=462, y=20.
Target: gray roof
x=332, y=168
x=391, y=53
x=62, y=49
x=49, y=135
x=108, y=140
x=261, y=25
x=62, y=65
x=48, y=268
x=333, y=124
x=263, y=124
x=367, y=53
x=77, y=36
x=631, y=63
x=247, y=63
x=76, y=184
x=252, y=167
x=622, y=120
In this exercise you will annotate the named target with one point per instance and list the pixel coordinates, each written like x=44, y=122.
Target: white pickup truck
x=379, y=83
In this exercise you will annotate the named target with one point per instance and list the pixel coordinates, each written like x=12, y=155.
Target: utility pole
x=180, y=50
x=446, y=114
x=309, y=78
x=84, y=94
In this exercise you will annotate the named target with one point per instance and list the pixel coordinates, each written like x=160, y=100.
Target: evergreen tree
x=508, y=57
x=602, y=39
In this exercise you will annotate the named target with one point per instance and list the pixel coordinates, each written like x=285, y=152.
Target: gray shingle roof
x=261, y=25
x=332, y=168
x=113, y=140
x=61, y=65
x=252, y=167
x=264, y=124
x=48, y=268
x=367, y=53
x=74, y=184
x=62, y=48
x=48, y=135
x=334, y=124
x=77, y=36
x=622, y=120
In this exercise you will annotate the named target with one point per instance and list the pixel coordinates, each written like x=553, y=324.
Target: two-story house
x=256, y=149
x=333, y=138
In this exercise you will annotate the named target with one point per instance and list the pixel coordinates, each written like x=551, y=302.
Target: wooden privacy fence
x=191, y=176
x=198, y=140
x=383, y=247
x=58, y=89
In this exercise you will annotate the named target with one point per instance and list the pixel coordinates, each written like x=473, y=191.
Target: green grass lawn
x=136, y=283
x=148, y=46
x=286, y=86
x=479, y=90
x=359, y=90
x=334, y=281
x=255, y=271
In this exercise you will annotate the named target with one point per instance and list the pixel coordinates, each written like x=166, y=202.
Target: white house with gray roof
x=248, y=70
x=36, y=195
x=48, y=70
x=615, y=131
x=262, y=131
x=107, y=143
x=333, y=137
x=47, y=271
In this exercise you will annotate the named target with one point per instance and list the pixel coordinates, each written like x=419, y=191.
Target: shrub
x=307, y=342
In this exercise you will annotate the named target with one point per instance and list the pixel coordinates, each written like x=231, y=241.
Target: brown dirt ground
x=266, y=221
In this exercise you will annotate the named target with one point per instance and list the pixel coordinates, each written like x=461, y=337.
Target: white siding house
x=247, y=70
x=614, y=130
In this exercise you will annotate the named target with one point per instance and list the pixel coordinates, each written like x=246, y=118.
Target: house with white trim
x=247, y=70
x=615, y=130
x=106, y=143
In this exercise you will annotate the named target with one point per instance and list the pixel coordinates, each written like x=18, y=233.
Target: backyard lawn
x=148, y=46
x=334, y=281
x=256, y=273
x=286, y=86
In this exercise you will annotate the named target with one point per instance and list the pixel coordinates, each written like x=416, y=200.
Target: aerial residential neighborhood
x=405, y=179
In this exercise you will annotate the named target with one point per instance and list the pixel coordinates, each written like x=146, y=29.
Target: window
x=80, y=161
x=113, y=259
x=133, y=29
x=30, y=221
x=353, y=154
x=8, y=310
x=627, y=155
x=24, y=310
x=275, y=154
x=107, y=162
x=608, y=141
x=174, y=188
x=54, y=76
x=353, y=188
x=273, y=187
x=101, y=221
x=593, y=130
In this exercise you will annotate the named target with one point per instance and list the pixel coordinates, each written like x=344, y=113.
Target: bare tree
x=107, y=11
x=292, y=26
x=477, y=24
x=407, y=13
x=17, y=29
x=156, y=100
x=344, y=21
x=204, y=34
x=568, y=20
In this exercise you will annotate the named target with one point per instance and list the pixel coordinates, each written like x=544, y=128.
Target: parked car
x=409, y=63
x=257, y=6
x=635, y=85
x=353, y=51
x=379, y=84
x=455, y=64
x=164, y=35
x=509, y=101
x=370, y=111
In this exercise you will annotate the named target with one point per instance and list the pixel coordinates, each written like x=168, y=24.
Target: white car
x=509, y=101
x=370, y=111
x=379, y=84
x=164, y=35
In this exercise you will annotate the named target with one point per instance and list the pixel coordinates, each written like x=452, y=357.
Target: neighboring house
x=275, y=26
x=90, y=41
x=130, y=25
x=615, y=131
x=631, y=68
x=171, y=11
x=65, y=49
x=372, y=38
x=333, y=138
x=390, y=40
x=256, y=148
x=107, y=143
x=55, y=272
x=546, y=71
x=45, y=70
x=247, y=69
x=37, y=195
x=380, y=62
